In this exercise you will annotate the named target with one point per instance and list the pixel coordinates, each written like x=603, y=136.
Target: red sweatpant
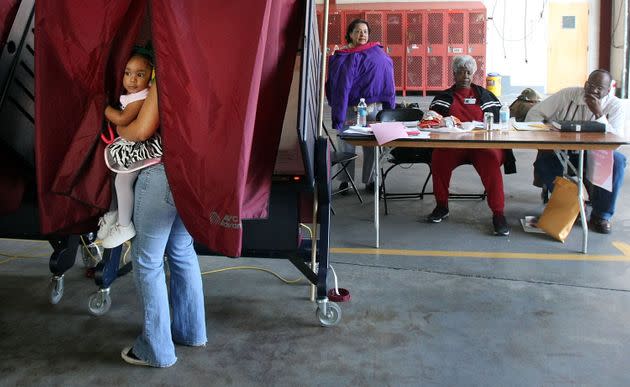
x=487, y=163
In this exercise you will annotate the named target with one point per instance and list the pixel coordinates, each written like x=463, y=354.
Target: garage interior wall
x=517, y=38
x=619, y=50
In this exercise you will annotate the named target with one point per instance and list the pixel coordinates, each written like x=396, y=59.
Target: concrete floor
x=445, y=304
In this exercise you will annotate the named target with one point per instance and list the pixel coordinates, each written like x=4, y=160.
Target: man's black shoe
x=501, y=226
x=370, y=187
x=438, y=214
x=600, y=225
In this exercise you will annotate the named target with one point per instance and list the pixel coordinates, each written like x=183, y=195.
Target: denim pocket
x=141, y=185
x=169, y=195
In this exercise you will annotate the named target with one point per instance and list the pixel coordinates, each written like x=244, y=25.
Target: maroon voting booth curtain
x=224, y=70
x=8, y=9
x=75, y=46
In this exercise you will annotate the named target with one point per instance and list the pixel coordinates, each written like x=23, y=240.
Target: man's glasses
x=595, y=87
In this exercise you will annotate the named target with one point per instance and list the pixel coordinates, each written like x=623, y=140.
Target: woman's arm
x=147, y=122
x=124, y=117
x=340, y=81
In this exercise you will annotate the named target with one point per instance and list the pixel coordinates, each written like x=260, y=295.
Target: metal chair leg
x=424, y=186
x=344, y=169
x=351, y=181
x=383, y=191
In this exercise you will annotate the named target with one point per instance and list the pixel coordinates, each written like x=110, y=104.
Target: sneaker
x=128, y=356
x=439, y=214
x=369, y=187
x=343, y=188
x=105, y=224
x=119, y=235
x=501, y=226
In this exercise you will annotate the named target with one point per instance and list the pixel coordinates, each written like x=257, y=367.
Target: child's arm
x=124, y=117
x=148, y=121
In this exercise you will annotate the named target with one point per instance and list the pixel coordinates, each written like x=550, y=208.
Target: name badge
x=470, y=101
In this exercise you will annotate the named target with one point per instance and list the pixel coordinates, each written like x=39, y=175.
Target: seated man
x=469, y=102
x=590, y=103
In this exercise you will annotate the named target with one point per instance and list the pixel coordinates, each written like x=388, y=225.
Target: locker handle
x=429, y=49
x=389, y=50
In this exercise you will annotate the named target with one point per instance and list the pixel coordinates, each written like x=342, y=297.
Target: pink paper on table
x=388, y=131
x=599, y=168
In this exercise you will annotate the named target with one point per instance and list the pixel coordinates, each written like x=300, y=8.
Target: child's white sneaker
x=105, y=224
x=119, y=235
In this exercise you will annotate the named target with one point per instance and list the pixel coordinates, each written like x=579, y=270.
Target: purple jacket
x=362, y=72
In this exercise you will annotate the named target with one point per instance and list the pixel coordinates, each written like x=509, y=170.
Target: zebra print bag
x=125, y=156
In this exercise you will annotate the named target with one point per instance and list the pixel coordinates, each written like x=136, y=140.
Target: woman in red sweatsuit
x=468, y=102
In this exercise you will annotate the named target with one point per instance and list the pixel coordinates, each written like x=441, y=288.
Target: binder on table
x=579, y=126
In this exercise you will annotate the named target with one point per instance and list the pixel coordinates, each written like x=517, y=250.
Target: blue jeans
x=548, y=167
x=160, y=231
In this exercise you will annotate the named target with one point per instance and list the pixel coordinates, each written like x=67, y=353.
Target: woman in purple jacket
x=359, y=70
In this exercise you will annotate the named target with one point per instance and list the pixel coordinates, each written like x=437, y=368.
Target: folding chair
x=400, y=156
x=342, y=159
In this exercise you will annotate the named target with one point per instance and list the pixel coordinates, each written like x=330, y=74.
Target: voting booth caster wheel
x=328, y=313
x=56, y=289
x=100, y=302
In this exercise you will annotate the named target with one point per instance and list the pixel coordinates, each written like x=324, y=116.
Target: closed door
x=568, y=45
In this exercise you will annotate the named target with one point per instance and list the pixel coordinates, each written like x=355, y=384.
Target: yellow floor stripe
x=625, y=249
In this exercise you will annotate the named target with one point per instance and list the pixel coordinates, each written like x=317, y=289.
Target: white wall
x=616, y=51
x=517, y=38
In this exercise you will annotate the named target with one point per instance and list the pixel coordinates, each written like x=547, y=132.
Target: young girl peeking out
x=125, y=157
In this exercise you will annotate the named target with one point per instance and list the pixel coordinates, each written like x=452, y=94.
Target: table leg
x=581, y=200
x=377, y=186
x=564, y=158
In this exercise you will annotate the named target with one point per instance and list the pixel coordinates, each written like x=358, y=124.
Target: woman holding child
x=159, y=233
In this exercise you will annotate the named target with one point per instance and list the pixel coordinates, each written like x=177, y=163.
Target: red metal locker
x=480, y=76
x=395, y=45
x=320, y=23
x=456, y=31
x=435, y=76
x=421, y=37
x=348, y=17
x=335, y=32
x=477, y=43
x=376, y=22
x=414, y=74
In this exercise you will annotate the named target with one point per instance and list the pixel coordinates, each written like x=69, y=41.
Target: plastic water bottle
x=504, y=117
x=362, y=113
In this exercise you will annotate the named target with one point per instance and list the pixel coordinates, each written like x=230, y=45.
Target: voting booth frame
x=298, y=195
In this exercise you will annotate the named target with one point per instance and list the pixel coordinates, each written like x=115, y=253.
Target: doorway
x=568, y=45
